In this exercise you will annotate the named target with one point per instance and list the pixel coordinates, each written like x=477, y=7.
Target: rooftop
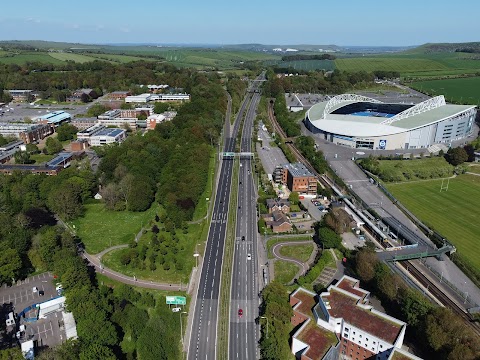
x=399, y=354
x=109, y=132
x=349, y=285
x=344, y=306
x=298, y=169
x=54, y=117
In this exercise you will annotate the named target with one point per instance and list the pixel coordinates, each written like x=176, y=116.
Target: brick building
x=119, y=95
x=278, y=205
x=343, y=311
x=82, y=95
x=278, y=222
x=297, y=178
x=28, y=133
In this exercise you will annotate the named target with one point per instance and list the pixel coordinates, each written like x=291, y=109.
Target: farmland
x=305, y=65
x=401, y=65
x=460, y=90
x=452, y=213
x=62, y=56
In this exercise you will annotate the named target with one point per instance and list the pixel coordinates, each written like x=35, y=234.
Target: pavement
x=202, y=338
x=270, y=156
x=244, y=293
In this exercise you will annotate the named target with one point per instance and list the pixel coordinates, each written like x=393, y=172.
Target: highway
x=243, y=333
x=203, y=338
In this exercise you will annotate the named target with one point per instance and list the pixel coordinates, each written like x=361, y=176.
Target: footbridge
x=403, y=253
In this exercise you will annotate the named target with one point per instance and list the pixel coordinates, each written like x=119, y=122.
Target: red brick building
x=297, y=178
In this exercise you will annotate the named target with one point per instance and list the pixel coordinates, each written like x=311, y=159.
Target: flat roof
x=347, y=307
x=365, y=126
x=55, y=117
x=61, y=157
x=298, y=169
x=109, y=132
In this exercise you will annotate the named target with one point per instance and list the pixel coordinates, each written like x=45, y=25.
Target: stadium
x=364, y=123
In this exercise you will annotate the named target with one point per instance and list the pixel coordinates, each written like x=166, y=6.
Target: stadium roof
x=55, y=117
x=350, y=125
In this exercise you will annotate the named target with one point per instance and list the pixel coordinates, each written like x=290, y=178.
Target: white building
x=89, y=132
x=142, y=98
x=170, y=97
x=119, y=122
x=107, y=136
x=344, y=311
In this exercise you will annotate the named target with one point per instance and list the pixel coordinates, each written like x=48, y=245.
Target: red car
x=240, y=312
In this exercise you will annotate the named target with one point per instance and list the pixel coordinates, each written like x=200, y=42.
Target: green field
x=401, y=65
x=461, y=90
x=298, y=252
x=285, y=271
x=25, y=57
x=100, y=228
x=79, y=58
x=474, y=169
x=305, y=65
x=453, y=213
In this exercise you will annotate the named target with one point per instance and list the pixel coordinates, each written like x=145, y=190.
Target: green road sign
x=176, y=300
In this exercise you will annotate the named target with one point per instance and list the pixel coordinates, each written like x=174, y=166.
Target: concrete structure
x=50, y=306
x=297, y=178
x=170, y=97
x=70, y=326
x=20, y=95
x=88, y=133
x=107, y=136
x=120, y=118
x=55, y=118
x=28, y=133
x=83, y=123
x=344, y=310
x=278, y=205
x=360, y=122
x=294, y=104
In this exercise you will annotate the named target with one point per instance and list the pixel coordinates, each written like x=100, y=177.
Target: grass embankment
x=203, y=203
x=453, y=213
x=275, y=240
x=285, y=271
x=308, y=280
x=224, y=298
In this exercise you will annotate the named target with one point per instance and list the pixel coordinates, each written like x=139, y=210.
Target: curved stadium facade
x=364, y=123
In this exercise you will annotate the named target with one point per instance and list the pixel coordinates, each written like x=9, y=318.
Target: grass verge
x=275, y=240
x=224, y=319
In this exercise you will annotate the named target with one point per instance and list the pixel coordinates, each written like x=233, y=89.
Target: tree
x=365, y=261
x=328, y=238
x=53, y=146
x=10, y=265
x=11, y=354
x=96, y=351
x=456, y=156
x=66, y=132
x=294, y=198
x=160, y=107
x=32, y=148
x=66, y=201
x=22, y=157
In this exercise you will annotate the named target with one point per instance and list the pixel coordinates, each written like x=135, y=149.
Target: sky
x=280, y=22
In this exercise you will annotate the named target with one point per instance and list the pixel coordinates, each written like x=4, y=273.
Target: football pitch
x=453, y=213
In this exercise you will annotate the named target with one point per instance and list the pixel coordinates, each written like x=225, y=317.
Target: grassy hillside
x=461, y=90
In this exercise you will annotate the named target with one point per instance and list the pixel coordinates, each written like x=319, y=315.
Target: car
x=243, y=238
x=240, y=312
x=249, y=256
x=176, y=309
x=41, y=293
x=34, y=289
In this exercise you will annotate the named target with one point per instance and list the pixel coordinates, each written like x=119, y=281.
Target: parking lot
x=270, y=156
x=46, y=332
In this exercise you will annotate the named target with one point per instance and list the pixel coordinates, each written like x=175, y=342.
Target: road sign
x=382, y=144
x=176, y=300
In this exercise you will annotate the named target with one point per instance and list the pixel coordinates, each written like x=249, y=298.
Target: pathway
x=303, y=266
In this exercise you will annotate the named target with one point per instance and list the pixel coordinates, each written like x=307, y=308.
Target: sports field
x=454, y=213
x=461, y=90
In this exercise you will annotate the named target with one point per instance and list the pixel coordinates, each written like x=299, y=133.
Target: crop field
x=401, y=65
x=79, y=58
x=453, y=213
x=306, y=65
x=460, y=90
x=119, y=58
x=24, y=57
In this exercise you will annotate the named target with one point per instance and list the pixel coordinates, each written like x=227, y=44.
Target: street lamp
x=264, y=317
x=196, y=255
x=181, y=328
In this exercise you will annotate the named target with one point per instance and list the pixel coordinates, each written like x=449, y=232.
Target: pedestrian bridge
x=415, y=253
x=233, y=155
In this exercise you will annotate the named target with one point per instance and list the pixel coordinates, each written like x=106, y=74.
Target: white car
x=176, y=309
x=34, y=289
x=249, y=256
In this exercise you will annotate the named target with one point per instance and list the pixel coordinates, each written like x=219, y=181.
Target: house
x=297, y=178
x=278, y=205
x=340, y=323
x=82, y=95
x=278, y=222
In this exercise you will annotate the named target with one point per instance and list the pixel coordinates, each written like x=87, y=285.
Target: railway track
x=408, y=265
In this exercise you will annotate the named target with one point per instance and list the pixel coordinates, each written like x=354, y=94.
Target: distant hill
x=471, y=47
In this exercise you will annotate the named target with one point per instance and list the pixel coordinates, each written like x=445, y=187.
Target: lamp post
x=264, y=317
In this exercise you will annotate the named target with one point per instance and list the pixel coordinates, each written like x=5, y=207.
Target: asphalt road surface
x=203, y=338
x=243, y=334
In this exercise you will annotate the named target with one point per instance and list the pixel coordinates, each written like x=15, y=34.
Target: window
x=346, y=329
x=360, y=336
x=354, y=333
x=381, y=346
x=366, y=339
x=345, y=335
x=374, y=342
